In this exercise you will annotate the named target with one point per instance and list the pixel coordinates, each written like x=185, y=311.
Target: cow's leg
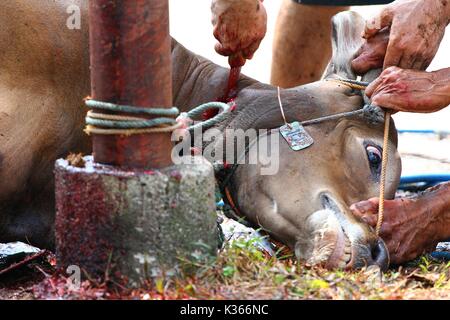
x=29, y=217
x=302, y=43
x=26, y=188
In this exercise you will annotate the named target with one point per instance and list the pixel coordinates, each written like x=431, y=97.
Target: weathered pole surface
x=131, y=64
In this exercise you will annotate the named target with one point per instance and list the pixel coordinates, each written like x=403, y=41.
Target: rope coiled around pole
x=110, y=124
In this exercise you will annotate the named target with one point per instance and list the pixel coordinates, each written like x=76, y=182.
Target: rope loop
x=97, y=121
x=110, y=124
x=197, y=112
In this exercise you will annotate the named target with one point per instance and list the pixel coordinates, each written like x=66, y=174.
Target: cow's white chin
x=329, y=246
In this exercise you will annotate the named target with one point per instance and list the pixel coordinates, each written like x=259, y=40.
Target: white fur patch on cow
x=317, y=244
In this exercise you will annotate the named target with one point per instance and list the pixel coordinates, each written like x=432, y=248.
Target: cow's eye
x=374, y=155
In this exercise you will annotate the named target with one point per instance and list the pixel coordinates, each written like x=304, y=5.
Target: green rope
x=134, y=124
x=95, y=104
x=194, y=114
x=131, y=124
x=198, y=112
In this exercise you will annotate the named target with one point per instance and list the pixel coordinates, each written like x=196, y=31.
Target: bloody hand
x=371, y=54
x=416, y=28
x=411, y=226
x=239, y=26
x=411, y=90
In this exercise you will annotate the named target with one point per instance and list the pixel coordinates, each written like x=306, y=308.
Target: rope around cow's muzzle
x=359, y=85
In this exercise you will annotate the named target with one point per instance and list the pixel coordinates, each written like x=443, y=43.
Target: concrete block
x=139, y=224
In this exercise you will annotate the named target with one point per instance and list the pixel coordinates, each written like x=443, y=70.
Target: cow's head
x=306, y=203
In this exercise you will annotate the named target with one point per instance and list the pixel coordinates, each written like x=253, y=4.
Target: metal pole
x=131, y=64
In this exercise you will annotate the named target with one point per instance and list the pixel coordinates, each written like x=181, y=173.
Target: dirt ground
x=242, y=272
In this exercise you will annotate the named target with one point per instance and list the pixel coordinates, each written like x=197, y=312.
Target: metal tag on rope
x=294, y=133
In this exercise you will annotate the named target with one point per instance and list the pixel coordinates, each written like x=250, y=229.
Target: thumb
x=366, y=207
x=366, y=210
x=377, y=23
x=222, y=50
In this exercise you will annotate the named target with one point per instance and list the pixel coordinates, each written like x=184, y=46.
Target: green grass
x=243, y=272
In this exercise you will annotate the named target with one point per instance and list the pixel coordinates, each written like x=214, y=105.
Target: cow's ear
x=347, y=29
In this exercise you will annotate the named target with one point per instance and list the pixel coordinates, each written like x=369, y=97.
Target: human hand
x=416, y=28
x=411, y=226
x=239, y=27
x=371, y=54
x=410, y=90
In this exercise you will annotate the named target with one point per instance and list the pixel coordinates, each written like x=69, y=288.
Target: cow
x=45, y=76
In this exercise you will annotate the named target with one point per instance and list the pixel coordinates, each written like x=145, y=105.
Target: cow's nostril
x=380, y=254
x=376, y=250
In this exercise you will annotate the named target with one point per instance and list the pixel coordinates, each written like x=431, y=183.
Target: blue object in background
x=441, y=255
x=422, y=181
x=426, y=131
x=220, y=204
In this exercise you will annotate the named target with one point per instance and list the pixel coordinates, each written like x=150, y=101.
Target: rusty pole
x=131, y=64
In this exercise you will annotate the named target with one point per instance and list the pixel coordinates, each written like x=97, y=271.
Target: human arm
x=411, y=90
x=411, y=226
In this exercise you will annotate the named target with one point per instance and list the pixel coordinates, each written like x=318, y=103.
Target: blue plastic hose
x=422, y=181
x=426, y=131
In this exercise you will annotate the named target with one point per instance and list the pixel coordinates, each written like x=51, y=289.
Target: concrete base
x=139, y=225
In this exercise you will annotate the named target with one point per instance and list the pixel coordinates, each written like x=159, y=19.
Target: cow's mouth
x=354, y=246
x=331, y=246
x=341, y=256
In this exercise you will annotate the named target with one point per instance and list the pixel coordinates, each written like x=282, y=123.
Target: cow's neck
x=197, y=80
